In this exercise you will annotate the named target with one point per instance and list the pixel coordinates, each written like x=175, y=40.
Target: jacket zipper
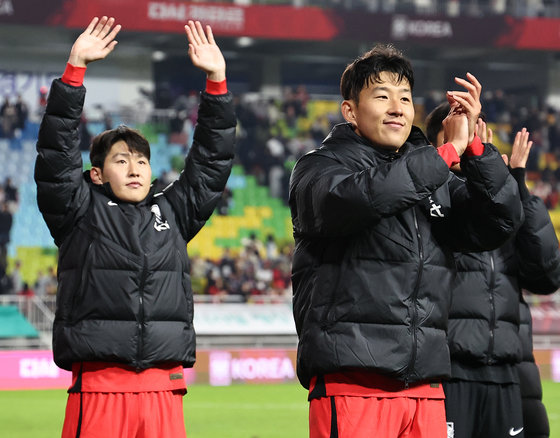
x=414, y=297
x=140, y=348
x=492, y=309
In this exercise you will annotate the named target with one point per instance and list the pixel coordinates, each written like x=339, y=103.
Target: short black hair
x=368, y=68
x=102, y=144
x=434, y=121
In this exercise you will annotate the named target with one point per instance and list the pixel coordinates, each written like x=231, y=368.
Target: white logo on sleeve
x=159, y=224
x=513, y=431
x=435, y=209
x=111, y=203
x=450, y=430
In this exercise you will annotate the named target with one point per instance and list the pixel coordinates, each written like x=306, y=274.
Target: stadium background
x=284, y=60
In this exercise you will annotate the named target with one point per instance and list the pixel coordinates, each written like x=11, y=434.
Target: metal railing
x=39, y=311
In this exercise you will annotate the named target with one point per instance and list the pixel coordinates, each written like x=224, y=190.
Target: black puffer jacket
x=124, y=288
x=373, y=264
x=484, y=316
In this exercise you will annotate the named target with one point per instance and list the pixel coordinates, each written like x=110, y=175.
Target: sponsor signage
x=250, y=366
x=35, y=369
x=285, y=22
x=243, y=319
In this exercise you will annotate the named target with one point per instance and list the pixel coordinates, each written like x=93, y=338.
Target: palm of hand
x=207, y=57
x=89, y=48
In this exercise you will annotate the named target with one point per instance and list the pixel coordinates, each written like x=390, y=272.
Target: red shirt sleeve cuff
x=449, y=154
x=73, y=75
x=476, y=148
x=213, y=87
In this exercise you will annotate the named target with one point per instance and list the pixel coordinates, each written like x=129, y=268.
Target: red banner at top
x=290, y=23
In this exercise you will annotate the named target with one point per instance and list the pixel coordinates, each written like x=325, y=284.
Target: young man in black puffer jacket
x=484, y=395
x=124, y=316
x=376, y=215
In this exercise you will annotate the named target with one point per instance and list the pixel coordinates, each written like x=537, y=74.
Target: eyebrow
x=381, y=88
x=127, y=155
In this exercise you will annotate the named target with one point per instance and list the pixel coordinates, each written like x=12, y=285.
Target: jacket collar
x=344, y=131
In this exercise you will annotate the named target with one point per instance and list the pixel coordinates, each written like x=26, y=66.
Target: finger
x=210, y=35
x=192, y=52
x=110, y=47
x=99, y=26
x=490, y=136
x=194, y=33
x=464, y=83
x=113, y=33
x=201, y=33
x=516, y=141
x=107, y=28
x=505, y=158
x=472, y=78
x=465, y=103
x=91, y=25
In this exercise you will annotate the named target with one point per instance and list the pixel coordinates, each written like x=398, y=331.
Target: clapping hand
x=520, y=150
x=469, y=101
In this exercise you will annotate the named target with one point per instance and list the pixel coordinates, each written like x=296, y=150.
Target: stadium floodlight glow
x=158, y=55
x=245, y=41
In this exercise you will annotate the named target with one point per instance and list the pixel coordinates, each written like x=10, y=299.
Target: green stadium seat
x=14, y=325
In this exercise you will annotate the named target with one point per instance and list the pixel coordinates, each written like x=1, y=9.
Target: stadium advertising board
x=35, y=369
x=290, y=23
x=243, y=319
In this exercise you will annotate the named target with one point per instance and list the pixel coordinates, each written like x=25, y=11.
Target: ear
x=96, y=175
x=347, y=108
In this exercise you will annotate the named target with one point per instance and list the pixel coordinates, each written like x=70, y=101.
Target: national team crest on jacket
x=159, y=224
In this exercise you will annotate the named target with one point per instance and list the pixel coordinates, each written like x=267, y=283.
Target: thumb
x=505, y=158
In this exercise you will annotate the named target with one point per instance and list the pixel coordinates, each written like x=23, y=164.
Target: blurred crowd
x=272, y=134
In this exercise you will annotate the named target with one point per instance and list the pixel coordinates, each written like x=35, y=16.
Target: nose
x=396, y=107
x=133, y=169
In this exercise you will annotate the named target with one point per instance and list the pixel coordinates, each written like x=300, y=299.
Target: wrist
x=217, y=76
x=475, y=147
x=73, y=75
x=76, y=61
x=216, y=87
x=449, y=154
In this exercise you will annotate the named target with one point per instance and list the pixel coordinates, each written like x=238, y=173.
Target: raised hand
x=96, y=42
x=486, y=135
x=520, y=150
x=204, y=52
x=468, y=100
x=455, y=129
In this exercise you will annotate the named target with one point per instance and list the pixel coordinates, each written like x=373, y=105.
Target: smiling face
x=384, y=112
x=128, y=172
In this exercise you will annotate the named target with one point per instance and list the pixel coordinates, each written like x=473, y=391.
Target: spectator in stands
x=129, y=334
x=5, y=282
x=46, y=283
x=42, y=104
x=26, y=291
x=6, y=220
x=483, y=397
x=22, y=112
x=8, y=117
x=16, y=279
x=84, y=134
x=376, y=212
x=11, y=195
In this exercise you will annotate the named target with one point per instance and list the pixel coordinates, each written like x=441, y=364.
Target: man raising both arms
x=124, y=316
